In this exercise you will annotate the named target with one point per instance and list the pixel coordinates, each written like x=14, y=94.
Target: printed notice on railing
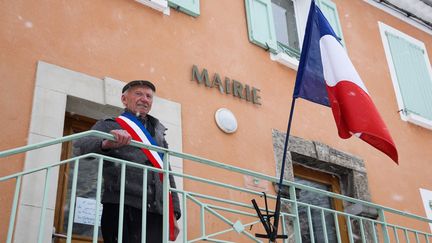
x=85, y=211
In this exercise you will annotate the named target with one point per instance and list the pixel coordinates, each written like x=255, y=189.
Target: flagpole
x=282, y=169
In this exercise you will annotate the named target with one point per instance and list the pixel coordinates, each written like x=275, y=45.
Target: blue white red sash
x=136, y=129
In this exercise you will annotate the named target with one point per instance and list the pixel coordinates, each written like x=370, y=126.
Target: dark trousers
x=131, y=225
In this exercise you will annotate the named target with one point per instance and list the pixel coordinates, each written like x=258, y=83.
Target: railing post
x=324, y=226
x=185, y=195
x=350, y=230
x=296, y=223
x=384, y=226
x=311, y=230
x=98, y=200
x=122, y=199
x=44, y=205
x=362, y=232
x=202, y=221
x=336, y=220
x=284, y=230
x=395, y=234
x=406, y=235
x=72, y=202
x=144, y=207
x=14, y=209
x=374, y=233
x=165, y=194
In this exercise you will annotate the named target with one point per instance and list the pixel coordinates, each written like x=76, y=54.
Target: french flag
x=326, y=76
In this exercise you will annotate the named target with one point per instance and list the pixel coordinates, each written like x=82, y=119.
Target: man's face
x=138, y=99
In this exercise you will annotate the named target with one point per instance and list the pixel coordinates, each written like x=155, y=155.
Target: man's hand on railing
x=122, y=138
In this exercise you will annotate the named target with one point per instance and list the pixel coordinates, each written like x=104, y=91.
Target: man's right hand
x=122, y=138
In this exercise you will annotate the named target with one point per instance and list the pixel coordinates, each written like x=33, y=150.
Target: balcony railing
x=288, y=50
x=236, y=218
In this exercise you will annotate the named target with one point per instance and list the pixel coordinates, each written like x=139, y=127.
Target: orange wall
x=126, y=40
x=390, y=185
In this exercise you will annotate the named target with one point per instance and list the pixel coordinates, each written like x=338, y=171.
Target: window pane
x=285, y=23
x=317, y=200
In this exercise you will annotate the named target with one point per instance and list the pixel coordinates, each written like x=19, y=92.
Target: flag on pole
x=327, y=76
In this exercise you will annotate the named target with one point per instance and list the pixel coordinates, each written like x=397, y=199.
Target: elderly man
x=137, y=97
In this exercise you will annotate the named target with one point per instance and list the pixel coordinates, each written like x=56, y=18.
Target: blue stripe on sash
x=133, y=118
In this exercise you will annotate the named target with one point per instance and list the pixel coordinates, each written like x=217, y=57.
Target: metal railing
x=302, y=222
x=292, y=52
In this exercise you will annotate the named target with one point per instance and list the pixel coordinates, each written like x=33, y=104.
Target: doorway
x=86, y=186
x=327, y=182
x=57, y=90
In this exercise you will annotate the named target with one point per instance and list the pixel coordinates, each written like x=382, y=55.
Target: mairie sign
x=227, y=86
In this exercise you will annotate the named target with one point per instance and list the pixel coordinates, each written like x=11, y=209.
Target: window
x=190, y=7
x=278, y=26
x=411, y=74
x=285, y=26
x=330, y=169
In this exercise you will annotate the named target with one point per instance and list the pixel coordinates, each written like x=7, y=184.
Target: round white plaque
x=226, y=120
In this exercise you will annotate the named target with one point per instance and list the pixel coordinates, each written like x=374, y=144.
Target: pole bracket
x=271, y=231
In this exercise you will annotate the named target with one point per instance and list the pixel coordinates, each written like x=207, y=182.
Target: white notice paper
x=427, y=203
x=85, y=211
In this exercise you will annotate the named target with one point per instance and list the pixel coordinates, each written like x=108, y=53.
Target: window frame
x=350, y=169
x=190, y=7
x=159, y=5
x=408, y=117
x=301, y=11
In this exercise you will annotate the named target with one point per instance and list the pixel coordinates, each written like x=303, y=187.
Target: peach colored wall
x=125, y=40
x=390, y=185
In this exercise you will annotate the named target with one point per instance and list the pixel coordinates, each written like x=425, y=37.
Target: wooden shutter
x=413, y=76
x=328, y=8
x=191, y=7
x=260, y=23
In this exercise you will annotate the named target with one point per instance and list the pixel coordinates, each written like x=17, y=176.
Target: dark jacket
x=134, y=176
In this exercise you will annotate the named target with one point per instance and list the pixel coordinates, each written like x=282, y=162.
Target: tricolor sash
x=136, y=129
